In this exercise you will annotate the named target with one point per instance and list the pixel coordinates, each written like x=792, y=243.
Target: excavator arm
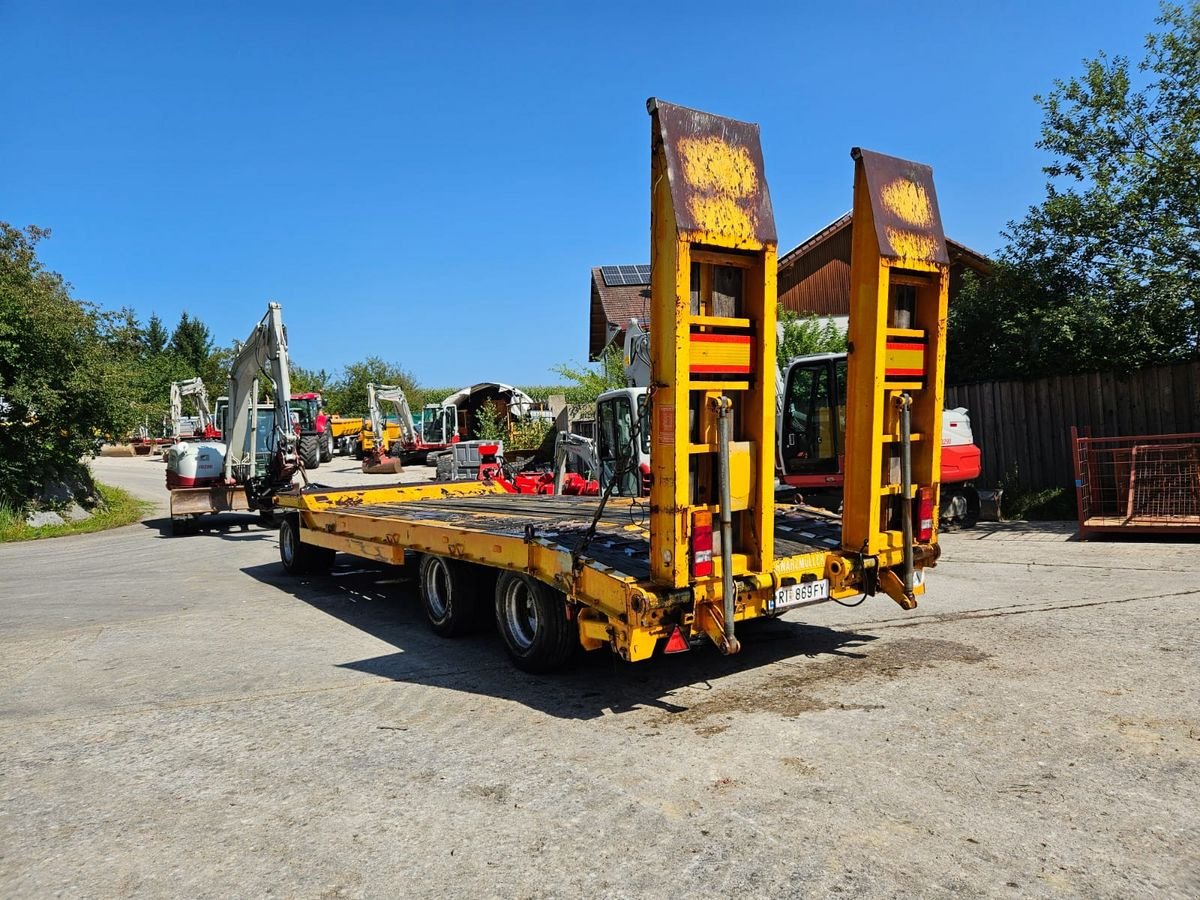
x=194, y=388
x=262, y=357
x=408, y=429
x=389, y=393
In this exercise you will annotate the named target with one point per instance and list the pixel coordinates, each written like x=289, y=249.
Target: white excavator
x=258, y=455
x=200, y=425
x=377, y=458
x=438, y=429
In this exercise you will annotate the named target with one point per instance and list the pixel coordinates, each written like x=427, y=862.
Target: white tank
x=195, y=464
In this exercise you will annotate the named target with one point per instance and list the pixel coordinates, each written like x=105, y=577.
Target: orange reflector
x=925, y=515
x=676, y=643
x=702, y=544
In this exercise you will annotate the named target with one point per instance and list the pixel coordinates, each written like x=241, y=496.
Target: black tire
x=532, y=619
x=448, y=595
x=326, y=446
x=181, y=525
x=972, y=517
x=310, y=451
x=299, y=558
x=964, y=499
x=359, y=453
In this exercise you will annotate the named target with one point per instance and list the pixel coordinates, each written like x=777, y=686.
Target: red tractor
x=314, y=429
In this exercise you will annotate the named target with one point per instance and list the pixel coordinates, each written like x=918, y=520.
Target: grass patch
x=1049, y=505
x=120, y=508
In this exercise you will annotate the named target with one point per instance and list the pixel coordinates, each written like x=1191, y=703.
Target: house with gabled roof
x=814, y=278
x=619, y=293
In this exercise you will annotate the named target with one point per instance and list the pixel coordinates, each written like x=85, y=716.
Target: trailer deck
x=622, y=538
x=607, y=578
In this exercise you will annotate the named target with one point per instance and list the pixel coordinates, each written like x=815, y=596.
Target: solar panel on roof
x=621, y=276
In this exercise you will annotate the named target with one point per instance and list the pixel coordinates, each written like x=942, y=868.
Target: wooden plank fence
x=1024, y=427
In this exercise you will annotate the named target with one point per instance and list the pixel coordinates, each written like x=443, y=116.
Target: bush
x=63, y=385
x=802, y=335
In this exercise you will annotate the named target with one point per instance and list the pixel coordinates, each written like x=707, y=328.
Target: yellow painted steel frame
x=617, y=609
x=713, y=257
x=712, y=233
x=899, y=276
x=612, y=608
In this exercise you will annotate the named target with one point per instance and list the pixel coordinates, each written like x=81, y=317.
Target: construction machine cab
x=439, y=424
x=812, y=421
x=623, y=441
x=306, y=407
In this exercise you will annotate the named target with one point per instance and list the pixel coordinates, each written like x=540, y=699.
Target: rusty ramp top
x=908, y=224
x=716, y=174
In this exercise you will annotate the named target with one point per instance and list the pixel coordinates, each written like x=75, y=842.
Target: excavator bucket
x=899, y=274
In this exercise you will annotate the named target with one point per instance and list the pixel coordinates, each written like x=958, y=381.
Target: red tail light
x=702, y=544
x=925, y=515
x=645, y=468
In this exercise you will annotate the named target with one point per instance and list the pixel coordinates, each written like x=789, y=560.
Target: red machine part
x=960, y=462
x=490, y=469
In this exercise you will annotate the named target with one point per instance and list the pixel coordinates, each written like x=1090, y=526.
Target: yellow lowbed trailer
x=711, y=547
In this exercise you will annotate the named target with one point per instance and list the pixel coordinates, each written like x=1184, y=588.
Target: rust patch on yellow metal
x=908, y=225
x=714, y=166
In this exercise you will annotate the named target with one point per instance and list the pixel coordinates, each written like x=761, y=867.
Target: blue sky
x=431, y=183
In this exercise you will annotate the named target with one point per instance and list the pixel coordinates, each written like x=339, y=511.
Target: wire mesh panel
x=1141, y=483
x=1164, y=483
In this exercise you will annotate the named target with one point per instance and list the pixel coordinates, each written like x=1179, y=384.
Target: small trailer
x=709, y=547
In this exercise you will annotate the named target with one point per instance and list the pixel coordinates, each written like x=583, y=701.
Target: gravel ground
x=178, y=717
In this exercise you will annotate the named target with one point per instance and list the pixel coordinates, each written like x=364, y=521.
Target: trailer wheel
x=326, y=446
x=448, y=595
x=359, y=453
x=533, y=622
x=299, y=558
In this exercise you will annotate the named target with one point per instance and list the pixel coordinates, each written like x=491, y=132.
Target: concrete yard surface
x=178, y=717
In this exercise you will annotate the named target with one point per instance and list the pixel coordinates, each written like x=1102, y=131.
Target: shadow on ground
x=1066, y=532
x=381, y=602
x=226, y=526
x=982, y=531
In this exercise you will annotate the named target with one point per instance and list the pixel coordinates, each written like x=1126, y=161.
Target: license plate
x=796, y=594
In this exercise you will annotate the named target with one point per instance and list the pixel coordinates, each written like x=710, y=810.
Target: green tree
x=155, y=336
x=490, y=424
x=801, y=335
x=1105, y=271
x=124, y=333
x=192, y=342
x=591, y=380
x=62, y=386
x=347, y=395
x=309, y=380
